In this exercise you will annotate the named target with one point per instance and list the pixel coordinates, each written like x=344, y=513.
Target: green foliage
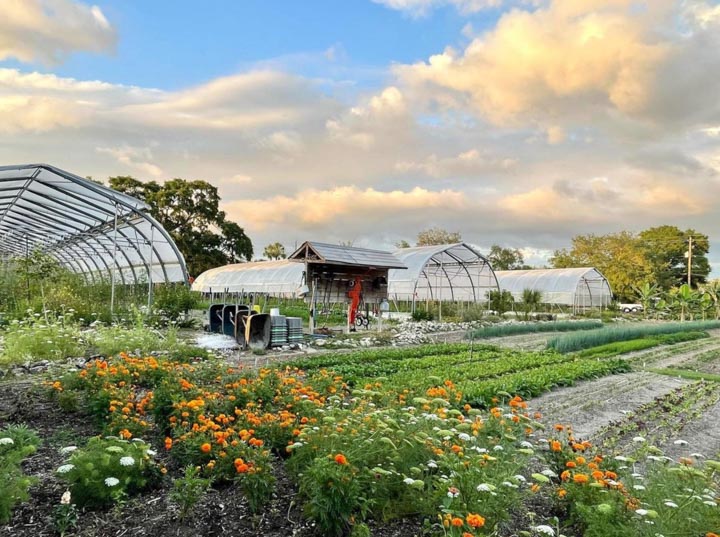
x=188, y=490
x=500, y=301
x=666, y=249
x=506, y=258
x=38, y=337
x=618, y=256
x=436, y=236
x=17, y=442
x=594, y=338
x=633, y=345
x=107, y=470
x=275, y=251
x=422, y=315
x=531, y=300
x=174, y=300
x=510, y=329
x=189, y=212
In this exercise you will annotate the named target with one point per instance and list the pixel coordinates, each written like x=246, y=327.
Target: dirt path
x=702, y=436
x=590, y=406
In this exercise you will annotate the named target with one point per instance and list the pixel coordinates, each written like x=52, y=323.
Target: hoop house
x=449, y=272
x=281, y=278
x=89, y=228
x=577, y=287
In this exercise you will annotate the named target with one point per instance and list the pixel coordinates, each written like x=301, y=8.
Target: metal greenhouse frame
x=581, y=288
x=89, y=228
x=444, y=273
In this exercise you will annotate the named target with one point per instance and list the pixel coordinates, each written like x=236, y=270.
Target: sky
x=514, y=122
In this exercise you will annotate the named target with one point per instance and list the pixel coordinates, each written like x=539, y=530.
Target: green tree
x=189, y=212
x=666, y=249
x=436, y=235
x=275, y=251
x=683, y=299
x=531, y=300
x=620, y=257
x=506, y=258
x=500, y=301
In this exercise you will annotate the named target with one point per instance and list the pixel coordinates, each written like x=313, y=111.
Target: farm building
x=576, y=287
x=447, y=273
x=90, y=229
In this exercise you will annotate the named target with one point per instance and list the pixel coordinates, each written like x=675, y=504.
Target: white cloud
x=136, y=159
x=49, y=30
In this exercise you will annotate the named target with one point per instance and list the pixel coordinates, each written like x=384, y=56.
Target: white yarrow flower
x=151, y=452
x=111, y=481
x=432, y=464
x=639, y=439
x=484, y=487
x=545, y=530
x=66, y=498
x=408, y=481
x=6, y=441
x=641, y=512
x=127, y=461
x=65, y=468
x=67, y=449
x=669, y=503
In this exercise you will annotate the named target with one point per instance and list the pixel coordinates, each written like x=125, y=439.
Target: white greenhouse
x=89, y=228
x=446, y=273
x=579, y=288
x=282, y=278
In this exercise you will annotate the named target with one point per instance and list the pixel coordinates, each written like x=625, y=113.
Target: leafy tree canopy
x=436, y=235
x=275, y=251
x=189, y=212
x=619, y=256
x=666, y=249
x=506, y=258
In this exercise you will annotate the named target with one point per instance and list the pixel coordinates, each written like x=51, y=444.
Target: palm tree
x=683, y=298
x=712, y=291
x=531, y=299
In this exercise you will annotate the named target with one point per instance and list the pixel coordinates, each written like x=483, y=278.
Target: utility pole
x=689, y=266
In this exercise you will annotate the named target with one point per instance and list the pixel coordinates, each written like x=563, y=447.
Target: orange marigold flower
x=580, y=460
x=570, y=464
x=562, y=493
x=555, y=446
x=466, y=534
x=565, y=475
x=475, y=520
x=341, y=459
x=580, y=478
x=457, y=522
x=206, y=447
x=559, y=427
x=168, y=442
x=597, y=474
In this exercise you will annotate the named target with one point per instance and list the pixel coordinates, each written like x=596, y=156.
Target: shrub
x=422, y=315
x=38, y=338
x=16, y=443
x=107, y=470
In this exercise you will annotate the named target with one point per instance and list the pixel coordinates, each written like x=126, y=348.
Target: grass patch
x=512, y=329
x=685, y=374
x=633, y=345
x=595, y=338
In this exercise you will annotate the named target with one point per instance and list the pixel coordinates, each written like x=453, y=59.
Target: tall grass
x=594, y=338
x=527, y=328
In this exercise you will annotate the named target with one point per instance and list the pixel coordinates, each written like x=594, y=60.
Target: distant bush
x=594, y=338
x=39, y=338
x=422, y=315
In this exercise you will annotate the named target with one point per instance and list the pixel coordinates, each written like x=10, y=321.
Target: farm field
x=458, y=439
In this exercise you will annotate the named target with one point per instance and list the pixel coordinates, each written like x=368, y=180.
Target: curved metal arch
x=98, y=206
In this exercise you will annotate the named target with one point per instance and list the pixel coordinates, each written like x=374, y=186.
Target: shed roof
x=333, y=254
x=74, y=220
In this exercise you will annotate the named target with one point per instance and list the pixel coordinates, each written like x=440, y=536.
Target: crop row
x=331, y=360
x=511, y=329
x=593, y=338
